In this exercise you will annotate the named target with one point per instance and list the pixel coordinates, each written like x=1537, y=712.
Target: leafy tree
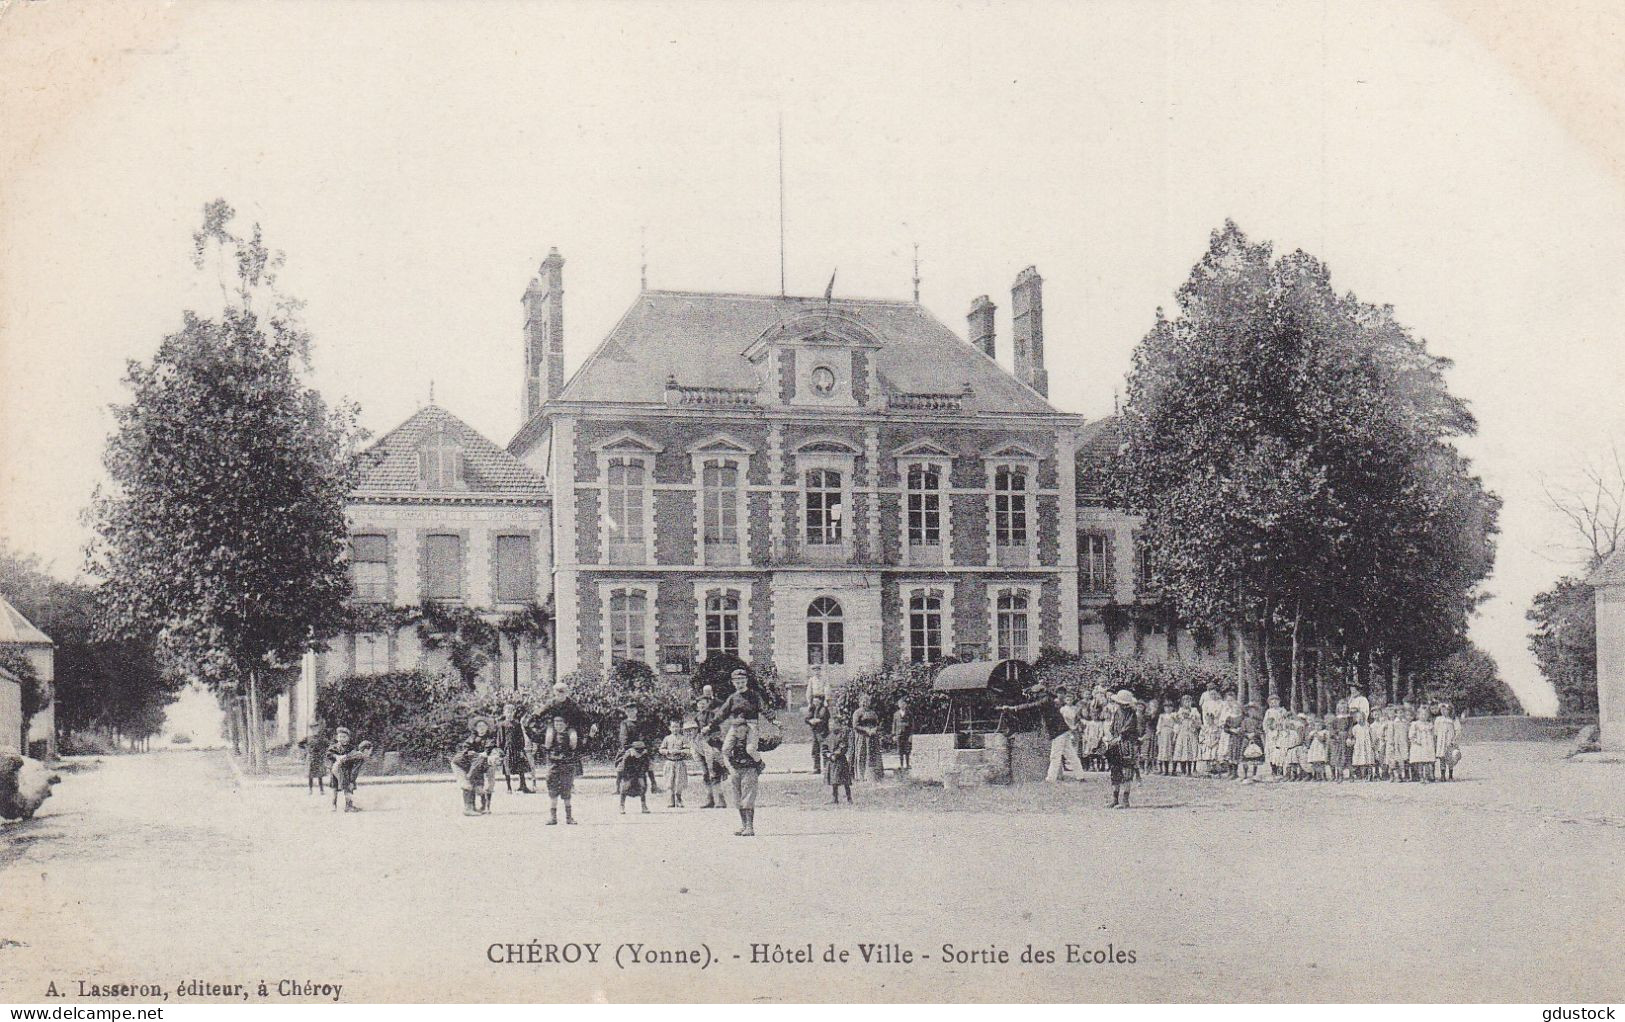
x=1565, y=643
x=100, y=685
x=1290, y=452
x=222, y=535
x=1470, y=680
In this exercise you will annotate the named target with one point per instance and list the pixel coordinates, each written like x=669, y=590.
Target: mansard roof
x=701, y=339
x=1098, y=442
x=391, y=464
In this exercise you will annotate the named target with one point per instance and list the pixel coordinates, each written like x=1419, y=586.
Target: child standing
x=1185, y=737
x=838, y=761
x=1318, y=757
x=561, y=746
x=675, y=753
x=468, y=763
x=1290, y=736
x=1361, y=752
x=1150, y=722
x=1167, y=728
x=1252, y=744
x=903, y=733
x=1274, y=721
x=315, y=747
x=1421, y=736
x=634, y=774
x=1399, y=746
x=1445, y=732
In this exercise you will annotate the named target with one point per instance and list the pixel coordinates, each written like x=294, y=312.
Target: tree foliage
x=221, y=535
x=108, y=685
x=1291, y=452
x=1565, y=643
x=1469, y=680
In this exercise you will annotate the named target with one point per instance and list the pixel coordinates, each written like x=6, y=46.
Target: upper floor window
x=516, y=570
x=826, y=633
x=1010, y=508
x=924, y=485
x=443, y=567
x=824, y=511
x=440, y=463
x=369, y=568
x=722, y=623
x=628, y=624
x=719, y=485
x=925, y=645
x=1094, y=563
x=626, y=498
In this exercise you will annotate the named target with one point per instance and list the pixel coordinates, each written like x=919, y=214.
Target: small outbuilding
x=18, y=632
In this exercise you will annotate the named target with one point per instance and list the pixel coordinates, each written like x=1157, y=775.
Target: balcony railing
x=930, y=401
x=679, y=396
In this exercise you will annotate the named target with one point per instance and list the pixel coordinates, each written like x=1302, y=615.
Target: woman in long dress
x=1167, y=727
x=1274, y=750
x=1185, y=740
x=866, y=741
x=1362, y=754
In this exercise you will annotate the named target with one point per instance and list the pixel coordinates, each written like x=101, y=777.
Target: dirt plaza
x=164, y=873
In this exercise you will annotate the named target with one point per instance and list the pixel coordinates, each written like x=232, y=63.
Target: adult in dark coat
x=818, y=721
x=511, y=740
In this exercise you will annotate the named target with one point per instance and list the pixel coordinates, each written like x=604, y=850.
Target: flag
x=829, y=289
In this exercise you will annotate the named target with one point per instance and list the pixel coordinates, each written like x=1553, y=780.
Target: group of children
x=1222, y=739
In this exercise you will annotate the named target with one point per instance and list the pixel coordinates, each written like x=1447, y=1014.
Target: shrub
x=884, y=686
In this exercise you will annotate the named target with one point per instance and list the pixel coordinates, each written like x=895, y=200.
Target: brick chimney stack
x=544, y=334
x=1027, y=329
x=980, y=319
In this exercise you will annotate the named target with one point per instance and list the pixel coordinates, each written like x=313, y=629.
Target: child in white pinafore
x=1421, y=753
x=1362, y=754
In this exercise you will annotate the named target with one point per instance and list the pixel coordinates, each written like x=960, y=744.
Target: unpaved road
x=1506, y=885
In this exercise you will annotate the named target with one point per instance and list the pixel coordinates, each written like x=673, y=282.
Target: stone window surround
x=1028, y=462
x=722, y=447
x=628, y=447
x=1033, y=592
x=391, y=551
x=534, y=535
x=650, y=589
x=463, y=549
x=844, y=462
x=906, y=589
x=925, y=454
x=705, y=587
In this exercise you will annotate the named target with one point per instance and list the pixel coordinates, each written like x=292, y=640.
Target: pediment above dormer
x=924, y=449
x=627, y=442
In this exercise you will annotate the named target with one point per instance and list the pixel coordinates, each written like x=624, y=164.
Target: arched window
x=628, y=619
x=1011, y=624
x=925, y=626
x=826, y=636
x=722, y=623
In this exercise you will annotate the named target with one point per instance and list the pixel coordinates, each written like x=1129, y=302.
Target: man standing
x=511, y=741
x=739, y=749
x=1041, y=711
x=818, y=721
x=1358, y=703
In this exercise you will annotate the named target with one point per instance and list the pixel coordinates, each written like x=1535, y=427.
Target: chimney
x=544, y=334
x=980, y=319
x=1027, y=329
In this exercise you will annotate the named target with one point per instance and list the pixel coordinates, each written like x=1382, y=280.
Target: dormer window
x=440, y=463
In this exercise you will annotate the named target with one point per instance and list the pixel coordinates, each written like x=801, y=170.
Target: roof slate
x=1611, y=572
x=18, y=630
x=700, y=339
x=391, y=464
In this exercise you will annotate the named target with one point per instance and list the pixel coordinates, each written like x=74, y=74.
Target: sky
x=416, y=161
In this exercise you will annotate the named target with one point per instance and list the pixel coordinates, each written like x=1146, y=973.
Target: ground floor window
x=722, y=623
x=1012, y=624
x=628, y=620
x=371, y=653
x=826, y=633
x=925, y=645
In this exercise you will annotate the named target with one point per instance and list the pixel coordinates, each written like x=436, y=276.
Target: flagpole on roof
x=781, y=203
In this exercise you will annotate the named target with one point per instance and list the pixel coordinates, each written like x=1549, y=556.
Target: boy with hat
x=345, y=768
x=634, y=774
x=1122, y=742
x=562, y=747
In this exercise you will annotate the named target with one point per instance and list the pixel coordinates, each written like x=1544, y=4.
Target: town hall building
x=822, y=485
